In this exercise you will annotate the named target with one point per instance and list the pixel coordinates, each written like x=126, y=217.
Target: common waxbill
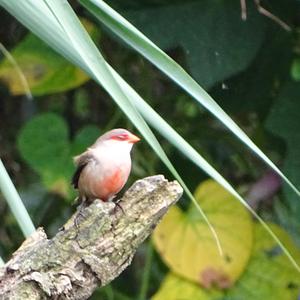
x=103, y=169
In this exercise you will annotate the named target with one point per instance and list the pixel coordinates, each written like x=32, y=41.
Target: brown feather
x=81, y=161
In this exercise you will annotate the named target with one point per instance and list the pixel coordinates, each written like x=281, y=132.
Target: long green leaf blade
x=15, y=203
x=170, y=134
x=132, y=36
x=1, y=262
x=97, y=66
x=89, y=58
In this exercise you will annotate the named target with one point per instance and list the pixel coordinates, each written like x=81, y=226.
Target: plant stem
x=146, y=273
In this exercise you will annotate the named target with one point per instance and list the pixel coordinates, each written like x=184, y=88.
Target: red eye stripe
x=120, y=137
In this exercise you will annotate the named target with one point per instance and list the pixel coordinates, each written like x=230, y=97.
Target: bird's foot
x=118, y=205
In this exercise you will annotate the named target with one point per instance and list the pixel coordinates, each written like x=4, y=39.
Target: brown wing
x=81, y=161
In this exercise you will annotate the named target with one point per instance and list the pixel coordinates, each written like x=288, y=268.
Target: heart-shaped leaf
x=43, y=143
x=268, y=275
x=186, y=245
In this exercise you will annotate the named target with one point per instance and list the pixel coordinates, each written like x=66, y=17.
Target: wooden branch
x=80, y=258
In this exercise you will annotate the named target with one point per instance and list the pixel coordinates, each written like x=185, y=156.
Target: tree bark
x=81, y=257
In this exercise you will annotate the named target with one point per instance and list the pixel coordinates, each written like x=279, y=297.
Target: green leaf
x=210, y=33
x=295, y=70
x=43, y=143
x=15, y=203
x=283, y=121
x=46, y=71
x=268, y=275
x=184, y=242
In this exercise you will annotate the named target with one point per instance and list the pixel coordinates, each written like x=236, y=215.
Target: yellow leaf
x=186, y=245
x=269, y=275
x=176, y=288
x=45, y=71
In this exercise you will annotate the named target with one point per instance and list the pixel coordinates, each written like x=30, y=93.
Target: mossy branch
x=80, y=258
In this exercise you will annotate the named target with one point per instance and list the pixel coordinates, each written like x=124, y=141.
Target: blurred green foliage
x=43, y=144
x=251, y=68
x=283, y=120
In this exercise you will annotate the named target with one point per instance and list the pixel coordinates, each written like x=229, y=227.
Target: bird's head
x=118, y=137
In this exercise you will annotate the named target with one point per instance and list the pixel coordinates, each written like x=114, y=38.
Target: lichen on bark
x=81, y=257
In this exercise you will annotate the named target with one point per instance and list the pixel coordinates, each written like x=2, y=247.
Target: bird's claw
x=118, y=205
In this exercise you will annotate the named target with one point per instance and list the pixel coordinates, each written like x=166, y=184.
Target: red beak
x=133, y=139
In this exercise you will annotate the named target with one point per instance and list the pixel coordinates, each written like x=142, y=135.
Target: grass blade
x=15, y=203
x=132, y=36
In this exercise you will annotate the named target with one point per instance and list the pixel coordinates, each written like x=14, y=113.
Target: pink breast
x=110, y=185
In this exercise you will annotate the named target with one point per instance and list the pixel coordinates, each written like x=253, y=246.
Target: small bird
x=103, y=169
